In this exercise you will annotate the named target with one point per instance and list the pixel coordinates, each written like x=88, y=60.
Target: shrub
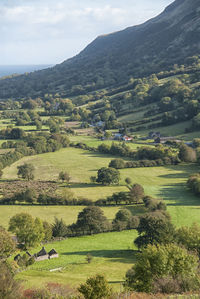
x=108, y=176
x=117, y=163
x=89, y=258
x=95, y=288
x=59, y=228
x=158, y=267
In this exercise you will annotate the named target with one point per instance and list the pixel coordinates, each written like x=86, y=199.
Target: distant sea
x=6, y=70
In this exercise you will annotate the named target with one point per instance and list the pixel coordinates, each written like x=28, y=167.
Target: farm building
x=127, y=138
x=43, y=255
x=53, y=254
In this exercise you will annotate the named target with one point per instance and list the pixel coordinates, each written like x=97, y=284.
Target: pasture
x=167, y=182
x=47, y=213
x=112, y=253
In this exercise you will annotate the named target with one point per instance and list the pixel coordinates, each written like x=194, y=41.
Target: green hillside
x=155, y=46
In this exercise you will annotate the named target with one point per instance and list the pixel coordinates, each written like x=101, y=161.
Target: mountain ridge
x=112, y=59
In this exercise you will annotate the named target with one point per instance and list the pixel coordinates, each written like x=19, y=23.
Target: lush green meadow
x=167, y=182
x=47, y=213
x=112, y=253
x=94, y=142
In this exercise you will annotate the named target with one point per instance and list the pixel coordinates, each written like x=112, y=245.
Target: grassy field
x=80, y=164
x=47, y=213
x=174, y=130
x=112, y=253
x=167, y=182
x=94, y=142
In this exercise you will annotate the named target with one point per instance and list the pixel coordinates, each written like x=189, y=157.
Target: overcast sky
x=50, y=31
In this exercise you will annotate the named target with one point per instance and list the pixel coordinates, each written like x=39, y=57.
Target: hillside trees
x=29, y=104
x=59, y=228
x=92, y=220
x=125, y=220
x=26, y=171
x=117, y=163
x=29, y=196
x=196, y=121
x=154, y=230
x=29, y=231
x=7, y=245
x=189, y=237
x=193, y=183
x=47, y=231
x=136, y=193
x=108, y=176
x=38, y=125
x=95, y=288
x=10, y=288
x=64, y=176
x=164, y=268
x=187, y=154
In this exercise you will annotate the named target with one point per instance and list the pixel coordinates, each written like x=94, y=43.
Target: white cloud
x=46, y=31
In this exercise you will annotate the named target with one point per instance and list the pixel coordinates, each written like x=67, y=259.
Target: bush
x=154, y=204
x=193, y=183
x=187, y=154
x=95, y=288
x=136, y=193
x=59, y=228
x=91, y=221
x=9, y=287
x=133, y=222
x=108, y=176
x=89, y=258
x=7, y=245
x=117, y=163
x=159, y=267
x=154, y=229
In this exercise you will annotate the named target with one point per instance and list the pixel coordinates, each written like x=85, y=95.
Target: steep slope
x=111, y=59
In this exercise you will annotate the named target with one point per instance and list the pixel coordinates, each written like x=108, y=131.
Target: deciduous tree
x=158, y=262
x=95, y=288
x=29, y=231
x=7, y=245
x=154, y=230
x=108, y=176
x=92, y=220
x=26, y=171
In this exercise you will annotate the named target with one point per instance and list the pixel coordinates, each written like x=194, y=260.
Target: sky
x=50, y=31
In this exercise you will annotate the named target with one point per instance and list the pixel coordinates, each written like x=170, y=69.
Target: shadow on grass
x=123, y=256
x=183, y=170
x=82, y=185
x=136, y=210
x=117, y=282
x=90, y=185
x=101, y=155
x=177, y=194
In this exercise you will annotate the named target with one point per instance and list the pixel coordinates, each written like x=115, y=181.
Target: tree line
x=168, y=258
x=30, y=144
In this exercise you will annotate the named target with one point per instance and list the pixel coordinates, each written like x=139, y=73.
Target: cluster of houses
x=41, y=255
x=122, y=137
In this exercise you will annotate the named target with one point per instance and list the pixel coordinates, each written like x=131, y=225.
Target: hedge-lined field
x=167, y=182
x=112, y=253
x=47, y=213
